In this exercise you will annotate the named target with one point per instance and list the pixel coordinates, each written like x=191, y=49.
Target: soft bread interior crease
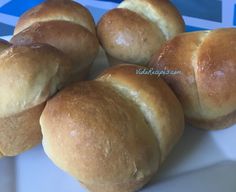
x=134, y=96
x=194, y=65
x=145, y=10
x=56, y=18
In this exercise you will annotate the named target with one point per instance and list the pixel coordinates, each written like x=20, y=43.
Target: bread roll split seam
x=57, y=18
x=138, y=173
x=120, y=121
x=136, y=29
x=132, y=95
x=57, y=10
x=147, y=12
x=194, y=66
x=66, y=25
x=206, y=86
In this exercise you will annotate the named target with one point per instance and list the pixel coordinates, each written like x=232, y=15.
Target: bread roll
x=112, y=133
x=65, y=25
x=206, y=86
x=135, y=30
x=29, y=75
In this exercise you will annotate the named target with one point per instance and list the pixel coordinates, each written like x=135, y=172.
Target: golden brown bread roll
x=135, y=30
x=29, y=75
x=65, y=25
x=112, y=133
x=206, y=86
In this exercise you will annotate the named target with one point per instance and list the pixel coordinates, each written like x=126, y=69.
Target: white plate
x=203, y=161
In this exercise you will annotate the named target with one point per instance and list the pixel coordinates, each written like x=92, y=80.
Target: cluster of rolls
x=54, y=44
x=199, y=66
x=114, y=132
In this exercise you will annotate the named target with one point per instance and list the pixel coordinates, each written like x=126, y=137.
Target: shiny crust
x=29, y=75
x=207, y=85
x=98, y=133
x=77, y=43
x=116, y=34
x=64, y=24
x=21, y=131
x=154, y=98
x=33, y=73
x=160, y=12
x=136, y=30
x=65, y=10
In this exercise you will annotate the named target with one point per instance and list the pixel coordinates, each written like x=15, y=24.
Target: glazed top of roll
x=29, y=75
x=112, y=133
x=154, y=99
x=159, y=12
x=135, y=30
x=49, y=10
x=207, y=84
x=63, y=24
x=119, y=102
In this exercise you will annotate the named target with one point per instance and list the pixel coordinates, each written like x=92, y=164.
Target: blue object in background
x=16, y=8
x=198, y=14
x=204, y=9
x=235, y=14
x=5, y=29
